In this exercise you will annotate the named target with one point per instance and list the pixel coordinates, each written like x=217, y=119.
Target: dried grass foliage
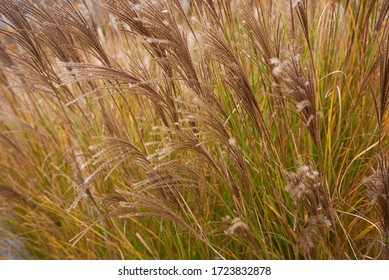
x=127, y=120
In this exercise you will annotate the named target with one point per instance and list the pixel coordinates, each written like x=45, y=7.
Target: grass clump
x=194, y=129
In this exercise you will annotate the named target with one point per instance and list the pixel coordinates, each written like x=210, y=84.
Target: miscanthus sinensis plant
x=177, y=129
